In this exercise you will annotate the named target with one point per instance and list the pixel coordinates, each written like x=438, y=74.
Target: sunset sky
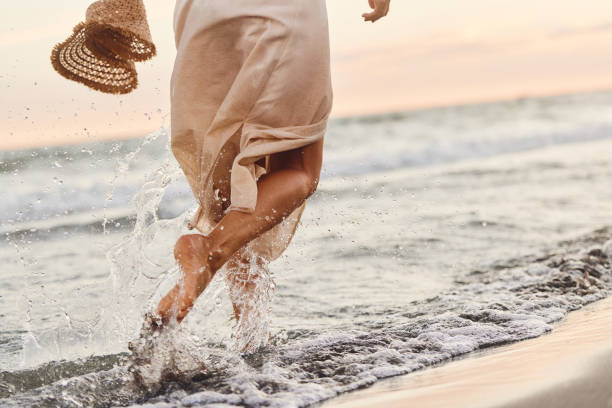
x=437, y=52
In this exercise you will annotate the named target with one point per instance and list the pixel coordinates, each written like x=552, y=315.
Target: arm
x=380, y=9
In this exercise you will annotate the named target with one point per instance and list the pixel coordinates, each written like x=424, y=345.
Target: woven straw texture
x=101, y=51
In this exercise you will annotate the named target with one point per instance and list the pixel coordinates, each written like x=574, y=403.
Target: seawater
x=433, y=233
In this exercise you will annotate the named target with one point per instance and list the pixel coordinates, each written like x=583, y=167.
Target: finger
x=372, y=19
x=373, y=16
x=381, y=8
x=369, y=16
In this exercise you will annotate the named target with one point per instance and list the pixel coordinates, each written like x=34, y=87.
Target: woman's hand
x=380, y=9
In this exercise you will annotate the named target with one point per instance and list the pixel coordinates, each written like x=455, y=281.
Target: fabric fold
x=257, y=142
x=251, y=79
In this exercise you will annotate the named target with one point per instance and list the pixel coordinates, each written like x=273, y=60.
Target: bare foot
x=192, y=252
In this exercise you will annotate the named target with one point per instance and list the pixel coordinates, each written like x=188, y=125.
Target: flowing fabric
x=251, y=78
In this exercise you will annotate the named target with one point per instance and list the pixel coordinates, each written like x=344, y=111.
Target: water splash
x=251, y=289
x=123, y=166
x=139, y=262
x=182, y=352
x=142, y=270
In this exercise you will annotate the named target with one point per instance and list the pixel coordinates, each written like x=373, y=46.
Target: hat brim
x=75, y=60
x=113, y=42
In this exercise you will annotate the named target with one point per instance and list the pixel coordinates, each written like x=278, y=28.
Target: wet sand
x=570, y=367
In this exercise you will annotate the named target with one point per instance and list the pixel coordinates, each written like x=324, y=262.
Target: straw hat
x=101, y=51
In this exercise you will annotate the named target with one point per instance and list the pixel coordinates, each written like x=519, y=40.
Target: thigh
x=308, y=158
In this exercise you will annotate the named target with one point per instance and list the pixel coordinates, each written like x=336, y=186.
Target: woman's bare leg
x=293, y=177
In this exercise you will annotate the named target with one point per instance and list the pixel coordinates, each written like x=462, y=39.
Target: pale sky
x=427, y=53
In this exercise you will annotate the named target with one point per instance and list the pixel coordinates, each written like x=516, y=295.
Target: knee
x=308, y=183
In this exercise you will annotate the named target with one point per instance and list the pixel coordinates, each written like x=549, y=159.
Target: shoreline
x=568, y=367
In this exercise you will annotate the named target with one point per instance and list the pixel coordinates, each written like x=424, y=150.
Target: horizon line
x=343, y=118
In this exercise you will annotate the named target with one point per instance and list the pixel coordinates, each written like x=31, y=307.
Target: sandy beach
x=570, y=367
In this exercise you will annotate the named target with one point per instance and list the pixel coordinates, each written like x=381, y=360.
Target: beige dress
x=251, y=78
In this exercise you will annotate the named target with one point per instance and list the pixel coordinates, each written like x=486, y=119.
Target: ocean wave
x=66, y=200
x=59, y=181
x=489, y=308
